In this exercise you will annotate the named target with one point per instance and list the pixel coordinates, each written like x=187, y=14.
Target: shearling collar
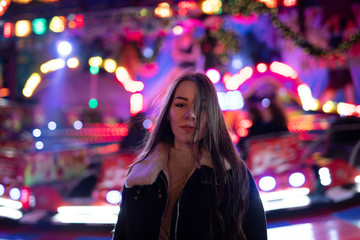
x=146, y=171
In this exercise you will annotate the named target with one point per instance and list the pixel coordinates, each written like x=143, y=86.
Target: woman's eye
x=180, y=105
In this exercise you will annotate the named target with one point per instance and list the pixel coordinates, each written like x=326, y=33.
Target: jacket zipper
x=178, y=204
x=177, y=214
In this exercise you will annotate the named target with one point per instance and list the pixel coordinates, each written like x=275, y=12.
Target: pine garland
x=246, y=7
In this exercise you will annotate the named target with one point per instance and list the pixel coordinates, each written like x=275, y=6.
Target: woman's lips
x=187, y=128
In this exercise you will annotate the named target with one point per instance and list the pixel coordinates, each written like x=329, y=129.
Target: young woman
x=189, y=182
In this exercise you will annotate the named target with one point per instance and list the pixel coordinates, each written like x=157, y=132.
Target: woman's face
x=182, y=116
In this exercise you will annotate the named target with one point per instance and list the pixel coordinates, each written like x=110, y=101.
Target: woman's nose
x=190, y=114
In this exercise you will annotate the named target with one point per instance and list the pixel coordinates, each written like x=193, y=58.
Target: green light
x=94, y=70
x=39, y=26
x=93, y=103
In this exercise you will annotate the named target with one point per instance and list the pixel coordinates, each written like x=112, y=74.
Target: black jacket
x=142, y=207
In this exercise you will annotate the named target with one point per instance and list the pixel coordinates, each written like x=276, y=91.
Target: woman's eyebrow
x=179, y=97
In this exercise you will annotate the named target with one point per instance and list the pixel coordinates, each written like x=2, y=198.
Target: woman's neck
x=185, y=147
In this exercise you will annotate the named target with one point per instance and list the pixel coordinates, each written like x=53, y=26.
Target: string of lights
x=59, y=24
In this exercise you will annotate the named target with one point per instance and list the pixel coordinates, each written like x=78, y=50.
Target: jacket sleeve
x=119, y=231
x=254, y=225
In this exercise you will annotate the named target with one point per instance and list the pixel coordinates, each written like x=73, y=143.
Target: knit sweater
x=180, y=166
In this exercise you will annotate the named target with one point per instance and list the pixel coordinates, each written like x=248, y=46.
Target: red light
x=245, y=123
x=187, y=5
x=8, y=29
x=25, y=198
x=234, y=138
x=242, y=132
x=124, y=131
x=79, y=19
x=182, y=11
x=184, y=6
